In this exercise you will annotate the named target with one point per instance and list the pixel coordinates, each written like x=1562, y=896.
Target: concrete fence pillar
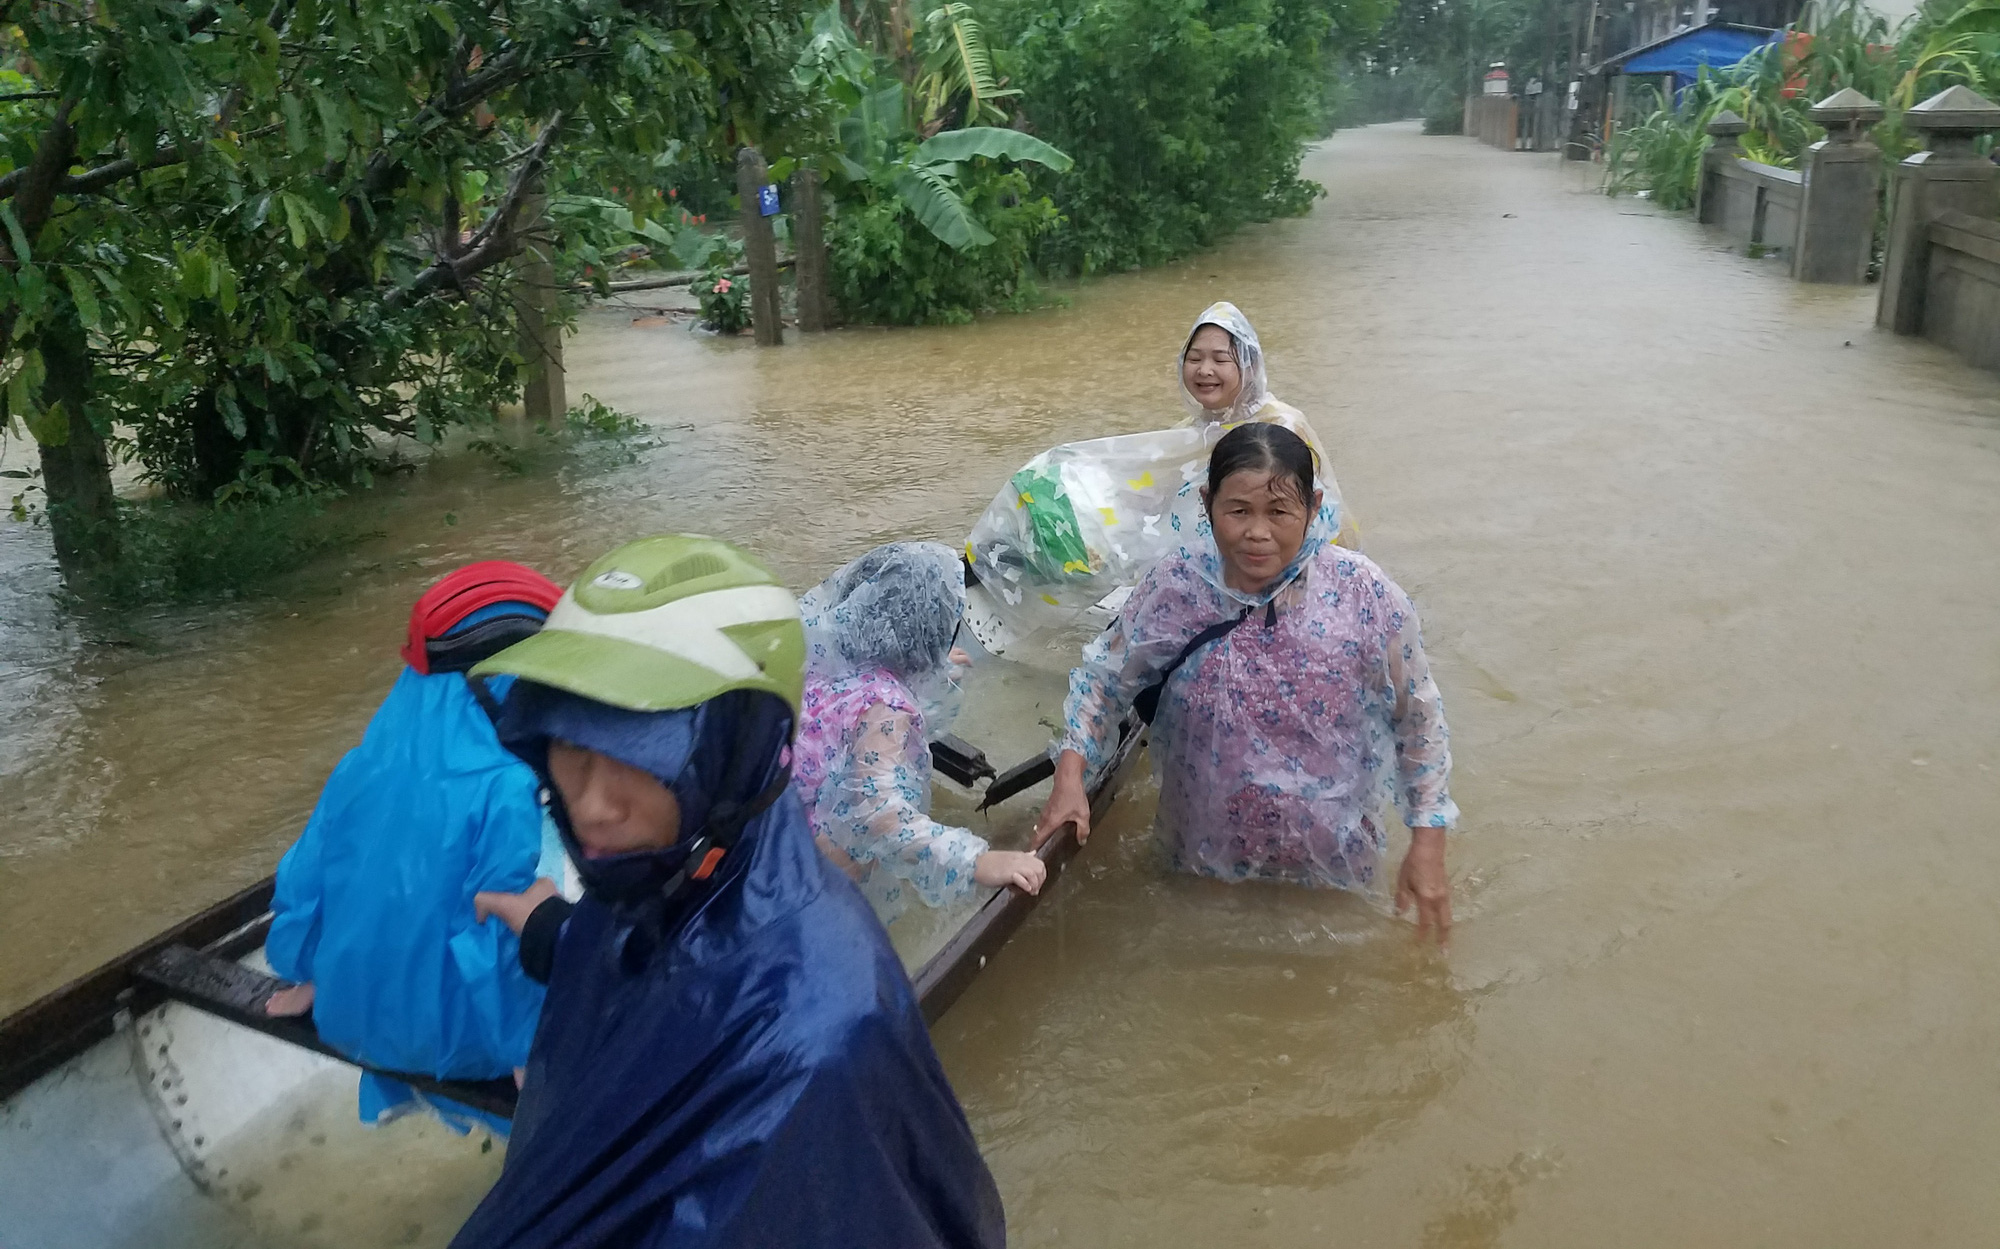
x=1949, y=175
x=1843, y=186
x=760, y=247
x=1725, y=143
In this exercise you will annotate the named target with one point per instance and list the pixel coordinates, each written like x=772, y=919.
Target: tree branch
x=33, y=186
x=496, y=239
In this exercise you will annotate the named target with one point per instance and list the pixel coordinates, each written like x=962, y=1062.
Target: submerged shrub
x=175, y=551
x=1660, y=155
x=887, y=267
x=1444, y=112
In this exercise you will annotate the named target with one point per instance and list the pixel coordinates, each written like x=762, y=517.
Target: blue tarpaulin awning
x=1717, y=45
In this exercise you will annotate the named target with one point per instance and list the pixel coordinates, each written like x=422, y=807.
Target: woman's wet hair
x=1260, y=447
x=1236, y=351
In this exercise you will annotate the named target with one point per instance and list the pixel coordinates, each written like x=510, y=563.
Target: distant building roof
x=1718, y=44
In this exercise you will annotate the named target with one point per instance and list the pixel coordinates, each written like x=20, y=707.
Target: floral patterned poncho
x=863, y=769
x=1281, y=747
x=879, y=634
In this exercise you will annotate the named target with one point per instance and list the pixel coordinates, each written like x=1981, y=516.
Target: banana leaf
x=993, y=142
x=938, y=206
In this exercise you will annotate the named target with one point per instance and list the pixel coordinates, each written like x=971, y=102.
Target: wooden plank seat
x=228, y=990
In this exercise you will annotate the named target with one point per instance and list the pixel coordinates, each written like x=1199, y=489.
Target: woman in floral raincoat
x=1296, y=708
x=880, y=660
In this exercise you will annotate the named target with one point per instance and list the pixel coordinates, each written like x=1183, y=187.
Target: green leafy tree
x=242, y=241
x=924, y=228
x=1186, y=118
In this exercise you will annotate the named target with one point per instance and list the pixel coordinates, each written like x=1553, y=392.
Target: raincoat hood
x=714, y=757
x=1256, y=390
x=1198, y=548
x=897, y=610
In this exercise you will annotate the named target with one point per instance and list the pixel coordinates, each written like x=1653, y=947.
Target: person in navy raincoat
x=373, y=915
x=731, y=1054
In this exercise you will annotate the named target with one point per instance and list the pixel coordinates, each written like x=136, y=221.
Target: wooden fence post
x=760, y=248
x=1949, y=176
x=809, y=269
x=543, y=395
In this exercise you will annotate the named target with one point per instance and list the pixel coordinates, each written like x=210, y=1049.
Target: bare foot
x=292, y=1000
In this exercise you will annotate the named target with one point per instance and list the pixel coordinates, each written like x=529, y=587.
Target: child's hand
x=997, y=868
x=959, y=658
x=512, y=909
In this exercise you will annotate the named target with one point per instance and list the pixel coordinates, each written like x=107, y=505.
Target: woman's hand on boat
x=512, y=909
x=1067, y=802
x=840, y=858
x=1422, y=883
x=998, y=868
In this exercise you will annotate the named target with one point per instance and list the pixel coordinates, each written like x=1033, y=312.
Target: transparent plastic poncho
x=879, y=683
x=1069, y=535
x=897, y=609
x=1286, y=748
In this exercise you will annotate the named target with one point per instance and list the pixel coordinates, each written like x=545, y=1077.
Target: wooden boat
x=130, y=1098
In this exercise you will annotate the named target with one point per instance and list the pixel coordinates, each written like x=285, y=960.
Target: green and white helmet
x=665, y=623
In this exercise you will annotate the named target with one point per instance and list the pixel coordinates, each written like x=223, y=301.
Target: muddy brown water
x=1709, y=574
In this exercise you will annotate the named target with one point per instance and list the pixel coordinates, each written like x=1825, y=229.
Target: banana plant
x=875, y=132
x=957, y=61
x=927, y=178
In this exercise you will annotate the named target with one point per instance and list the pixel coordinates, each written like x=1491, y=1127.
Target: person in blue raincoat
x=373, y=915
x=731, y=1054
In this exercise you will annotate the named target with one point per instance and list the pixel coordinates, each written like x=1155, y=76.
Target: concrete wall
x=1962, y=290
x=1753, y=203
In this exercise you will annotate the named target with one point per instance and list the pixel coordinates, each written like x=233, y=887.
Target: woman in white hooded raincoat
x=1082, y=522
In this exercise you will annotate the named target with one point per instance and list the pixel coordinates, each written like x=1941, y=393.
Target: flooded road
x=1709, y=577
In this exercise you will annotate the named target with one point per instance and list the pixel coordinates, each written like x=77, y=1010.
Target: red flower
x=722, y=287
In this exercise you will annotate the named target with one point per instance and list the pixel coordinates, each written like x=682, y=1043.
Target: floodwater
x=1709, y=576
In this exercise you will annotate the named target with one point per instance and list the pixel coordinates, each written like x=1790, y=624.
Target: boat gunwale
x=947, y=974
x=67, y=1021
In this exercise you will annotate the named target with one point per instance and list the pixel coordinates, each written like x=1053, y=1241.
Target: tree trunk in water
x=76, y=473
x=809, y=267
x=760, y=249
x=544, y=396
